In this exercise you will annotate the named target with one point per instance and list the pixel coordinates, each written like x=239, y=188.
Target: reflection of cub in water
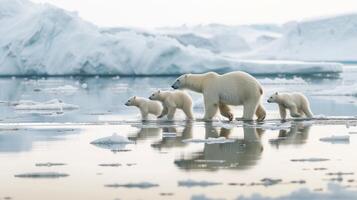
x=145, y=133
x=296, y=135
x=241, y=154
x=170, y=142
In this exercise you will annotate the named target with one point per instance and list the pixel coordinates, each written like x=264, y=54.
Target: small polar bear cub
x=146, y=106
x=172, y=100
x=297, y=104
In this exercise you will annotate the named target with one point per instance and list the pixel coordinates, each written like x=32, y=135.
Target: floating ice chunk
x=66, y=89
x=54, y=104
x=84, y=85
x=169, y=135
x=110, y=165
x=344, y=139
x=210, y=140
x=271, y=126
x=114, y=139
x=270, y=181
x=310, y=160
x=49, y=164
x=339, y=173
x=210, y=161
x=192, y=183
x=42, y=175
x=283, y=81
x=142, y=185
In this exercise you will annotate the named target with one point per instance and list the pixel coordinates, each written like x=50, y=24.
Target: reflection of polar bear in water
x=219, y=91
x=240, y=154
x=296, y=103
x=171, y=142
x=297, y=135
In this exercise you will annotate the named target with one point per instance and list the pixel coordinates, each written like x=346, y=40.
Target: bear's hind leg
x=294, y=111
x=225, y=111
x=307, y=111
x=249, y=109
x=260, y=112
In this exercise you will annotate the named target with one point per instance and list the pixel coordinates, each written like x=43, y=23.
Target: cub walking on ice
x=146, y=106
x=171, y=100
x=296, y=103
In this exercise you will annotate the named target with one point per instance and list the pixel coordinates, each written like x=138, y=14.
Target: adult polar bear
x=219, y=91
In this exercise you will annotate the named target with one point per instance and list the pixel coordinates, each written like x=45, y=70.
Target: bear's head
x=180, y=82
x=155, y=96
x=131, y=101
x=273, y=98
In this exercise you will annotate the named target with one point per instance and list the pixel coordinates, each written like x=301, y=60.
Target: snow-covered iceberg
x=54, y=104
x=40, y=39
x=329, y=39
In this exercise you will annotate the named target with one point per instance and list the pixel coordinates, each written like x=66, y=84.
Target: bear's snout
x=150, y=98
x=127, y=104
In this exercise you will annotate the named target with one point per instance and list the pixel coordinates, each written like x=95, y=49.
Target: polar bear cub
x=146, y=106
x=172, y=100
x=296, y=103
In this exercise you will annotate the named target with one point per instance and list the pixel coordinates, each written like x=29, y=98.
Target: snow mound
x=192, y=183
x=114, y=139
x=332, y=38
x=46, y=40
x=42, y=175
x=210, y=140
x=54, y=104
x=344, y=139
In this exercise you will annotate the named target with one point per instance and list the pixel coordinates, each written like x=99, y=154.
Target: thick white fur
x=146, y=106
x=172, y=100
x=219, y=91
x=296, y=103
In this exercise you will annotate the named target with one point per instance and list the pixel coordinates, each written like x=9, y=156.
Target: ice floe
x=210, y=140
x=192, y=183
x=310, y=160
x=49, y=164
x=114, y=139
x=54, y=104
x=344, y=139
x=140, y=185
x=42, y=175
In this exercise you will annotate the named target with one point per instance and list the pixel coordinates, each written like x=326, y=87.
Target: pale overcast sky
x=154, y=13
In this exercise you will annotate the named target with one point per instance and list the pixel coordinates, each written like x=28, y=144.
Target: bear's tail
x=260, y=112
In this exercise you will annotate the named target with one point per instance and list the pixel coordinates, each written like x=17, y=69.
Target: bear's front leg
x=171, y=113
x=211, y=105
x=144, y=115
x=282, y=111
x=225, y=111
x=164, y=112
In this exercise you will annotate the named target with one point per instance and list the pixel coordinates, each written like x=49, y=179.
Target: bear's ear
x=158, y=91
x=276, y=93
x=134, y=97
x=186, y=75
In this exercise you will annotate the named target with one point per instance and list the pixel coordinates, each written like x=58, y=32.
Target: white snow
x=333, y=38
x=336, y=139
x=341, y=90
x=51, y=41
x=271, y=126
x=114, y=139
x=54, y=104
x=210, y=140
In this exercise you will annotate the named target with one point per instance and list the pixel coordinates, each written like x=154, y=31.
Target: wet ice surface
x=49, y=155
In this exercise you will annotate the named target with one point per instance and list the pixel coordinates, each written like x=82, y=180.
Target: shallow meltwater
x=177, y=160
x=73, y=138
